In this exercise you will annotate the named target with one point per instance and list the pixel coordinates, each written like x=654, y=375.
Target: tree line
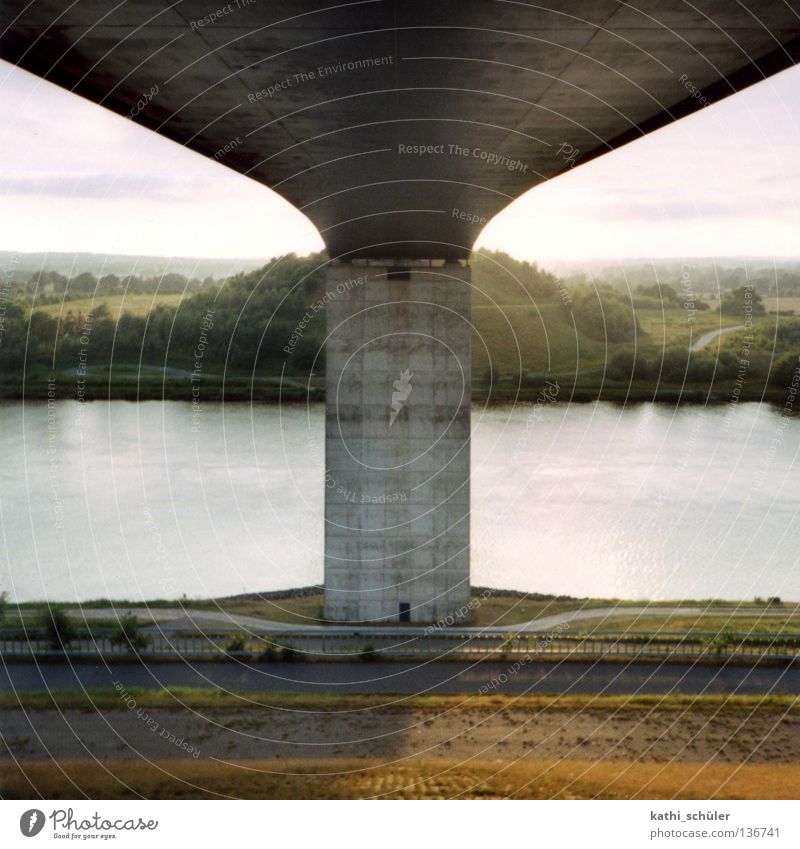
x=245, y=323
x=52, y=287
x=241, y=323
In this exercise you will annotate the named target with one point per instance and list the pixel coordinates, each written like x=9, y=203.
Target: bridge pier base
x=397, y=443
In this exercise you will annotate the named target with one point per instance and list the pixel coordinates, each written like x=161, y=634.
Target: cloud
x=111, y=185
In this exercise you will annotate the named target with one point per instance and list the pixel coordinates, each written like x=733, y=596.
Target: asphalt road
x=408, y=678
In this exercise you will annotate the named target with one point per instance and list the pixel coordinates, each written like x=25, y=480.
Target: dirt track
x=731, y=736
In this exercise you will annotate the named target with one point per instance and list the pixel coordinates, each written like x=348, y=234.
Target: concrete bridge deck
x=401, y=128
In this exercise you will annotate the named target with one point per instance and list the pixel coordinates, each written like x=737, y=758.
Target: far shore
x=240, y=388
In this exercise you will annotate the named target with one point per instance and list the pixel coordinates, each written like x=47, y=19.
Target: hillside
x=593, y=339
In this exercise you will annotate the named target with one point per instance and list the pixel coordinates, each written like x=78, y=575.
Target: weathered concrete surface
x=397, y=443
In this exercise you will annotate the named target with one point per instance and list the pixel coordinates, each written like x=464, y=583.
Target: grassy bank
x=200, y=698
x=126, y=382
x=489, y=609
x=237, y=388
x=494, y=609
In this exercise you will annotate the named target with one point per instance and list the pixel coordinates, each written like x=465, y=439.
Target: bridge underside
x=400, y=129
x=330, y=104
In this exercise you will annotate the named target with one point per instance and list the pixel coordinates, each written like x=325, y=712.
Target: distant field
x=667, y=330
x=783, y=304
x=544, y=340
x=133, y=304
x=787, y=303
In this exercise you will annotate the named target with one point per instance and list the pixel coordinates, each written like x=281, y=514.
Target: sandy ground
x=692, y=735
x=437, y=778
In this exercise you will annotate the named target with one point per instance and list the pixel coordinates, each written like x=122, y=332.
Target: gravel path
x=708, y=338
x=730, y=736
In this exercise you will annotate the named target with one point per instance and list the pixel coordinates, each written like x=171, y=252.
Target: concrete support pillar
x=397, y=443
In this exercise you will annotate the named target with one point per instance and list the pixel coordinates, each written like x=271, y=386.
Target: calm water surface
x=126, y=500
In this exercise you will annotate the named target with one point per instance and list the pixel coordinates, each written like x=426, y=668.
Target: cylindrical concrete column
x=397, y=443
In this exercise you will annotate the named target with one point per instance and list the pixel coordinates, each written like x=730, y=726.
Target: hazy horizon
x=588, y=260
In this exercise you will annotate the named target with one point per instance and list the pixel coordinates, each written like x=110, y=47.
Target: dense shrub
x=784, y=370
x=604, y=314
x=59, y=630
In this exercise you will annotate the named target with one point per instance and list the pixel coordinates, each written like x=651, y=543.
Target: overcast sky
x=723, y=182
